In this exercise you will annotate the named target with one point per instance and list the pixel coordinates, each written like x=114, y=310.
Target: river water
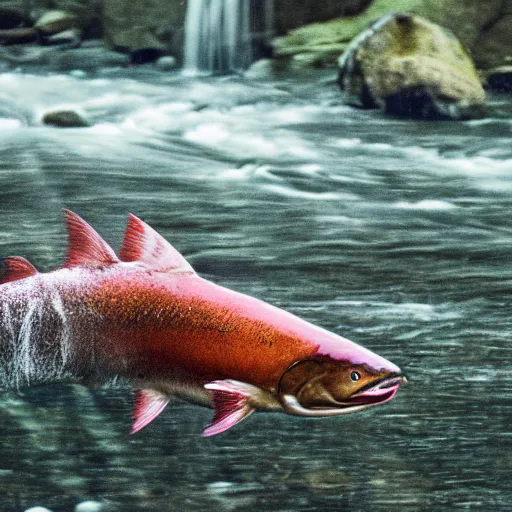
x=396, y=234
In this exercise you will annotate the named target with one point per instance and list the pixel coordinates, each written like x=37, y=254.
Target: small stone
x=89, y=506
x=78, y=73
x=166, y=63
x=65, y=119
x=53, y=22
x=262, y=69
x=38, y=509
x=71, y=36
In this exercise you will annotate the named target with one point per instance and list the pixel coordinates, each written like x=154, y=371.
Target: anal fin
x=149, y=403
x=231, y=402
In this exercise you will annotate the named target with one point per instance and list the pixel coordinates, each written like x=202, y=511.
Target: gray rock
x=53, y=22
x=65, y=119
x=70, y=37
x=166, y=63
x=261, y=70
x=132, y=26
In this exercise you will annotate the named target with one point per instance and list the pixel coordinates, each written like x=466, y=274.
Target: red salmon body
x=148, y=318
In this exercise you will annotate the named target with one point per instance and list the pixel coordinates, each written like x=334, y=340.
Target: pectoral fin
x=231, y=402
x=149, y=403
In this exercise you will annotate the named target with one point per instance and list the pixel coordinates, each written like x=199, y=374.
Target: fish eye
x=355, y=376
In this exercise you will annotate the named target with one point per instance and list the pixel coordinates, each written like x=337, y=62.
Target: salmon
x=147, y=318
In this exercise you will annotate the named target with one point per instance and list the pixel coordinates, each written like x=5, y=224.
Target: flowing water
x=396, y=234
x=226, y=35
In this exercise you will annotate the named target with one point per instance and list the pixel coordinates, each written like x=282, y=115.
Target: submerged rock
x=411, y=67
x=89, y=59
x=65, y=119
x=329, y=483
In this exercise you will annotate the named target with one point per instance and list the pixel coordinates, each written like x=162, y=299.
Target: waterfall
x=225, y=36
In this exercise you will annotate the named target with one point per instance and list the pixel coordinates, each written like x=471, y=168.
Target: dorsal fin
x=142, y=243
x=14, y=268
x=86, y=247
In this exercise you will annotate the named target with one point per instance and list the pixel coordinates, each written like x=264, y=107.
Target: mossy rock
x=410, y=66
x=328, y=40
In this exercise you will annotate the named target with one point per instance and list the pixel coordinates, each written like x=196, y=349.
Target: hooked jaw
x=379, y=393
x=323, y=387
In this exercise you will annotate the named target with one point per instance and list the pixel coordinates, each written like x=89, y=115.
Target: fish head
x=324, y=386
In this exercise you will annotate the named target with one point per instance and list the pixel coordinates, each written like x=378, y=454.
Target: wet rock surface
x=411, y=67
x=65, y=119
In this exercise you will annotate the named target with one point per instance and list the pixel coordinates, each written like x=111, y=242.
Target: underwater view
x=393, y=233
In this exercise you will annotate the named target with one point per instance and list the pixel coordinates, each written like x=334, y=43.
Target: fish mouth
x=375, y=393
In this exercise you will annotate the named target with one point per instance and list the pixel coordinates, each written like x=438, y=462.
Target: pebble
x=37, y=509
x=166, y=63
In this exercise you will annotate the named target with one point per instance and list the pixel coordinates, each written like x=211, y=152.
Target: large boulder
x=143, y=28
x=409, y=66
